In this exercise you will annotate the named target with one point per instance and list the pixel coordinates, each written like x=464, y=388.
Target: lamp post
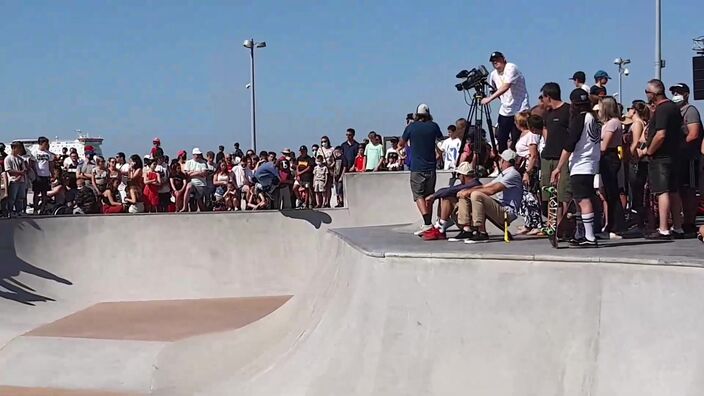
x=659, y=62
x=252, y=45
x=622, y=71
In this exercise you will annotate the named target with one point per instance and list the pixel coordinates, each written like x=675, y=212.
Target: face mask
x=678, y=98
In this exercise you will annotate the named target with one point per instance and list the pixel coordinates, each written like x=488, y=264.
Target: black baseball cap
x=579, y=76
x=579, y=96
x=495, y=56
x=680, y=88
x=303, y=148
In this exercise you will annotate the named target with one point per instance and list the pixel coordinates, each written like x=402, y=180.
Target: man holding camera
x=510, y=86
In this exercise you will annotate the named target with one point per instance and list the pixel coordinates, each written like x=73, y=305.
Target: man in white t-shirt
x=449, y=148
x=510, y=86
x=197, y=170
x=44, y=161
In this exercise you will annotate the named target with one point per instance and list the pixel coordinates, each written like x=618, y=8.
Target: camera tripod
x=478, y=113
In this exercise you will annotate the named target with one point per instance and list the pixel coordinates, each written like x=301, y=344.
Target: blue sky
x=132, y=70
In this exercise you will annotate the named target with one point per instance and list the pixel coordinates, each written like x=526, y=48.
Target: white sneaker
x=422, y=229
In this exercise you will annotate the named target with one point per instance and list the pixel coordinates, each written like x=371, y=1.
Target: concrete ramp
x=162, y=305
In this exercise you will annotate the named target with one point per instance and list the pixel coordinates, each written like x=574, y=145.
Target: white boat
x=56, y=145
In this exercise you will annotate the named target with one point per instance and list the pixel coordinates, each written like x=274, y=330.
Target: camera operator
x=510, y=86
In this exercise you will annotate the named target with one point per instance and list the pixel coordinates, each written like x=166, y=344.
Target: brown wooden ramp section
x=23, y=391
x=161, y=320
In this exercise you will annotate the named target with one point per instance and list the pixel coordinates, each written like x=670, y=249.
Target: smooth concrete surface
x=364, y=319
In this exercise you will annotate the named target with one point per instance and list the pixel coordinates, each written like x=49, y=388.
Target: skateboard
x=550, y=228
x=559, y=226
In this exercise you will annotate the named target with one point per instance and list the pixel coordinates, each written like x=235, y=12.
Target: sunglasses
x=649, y=92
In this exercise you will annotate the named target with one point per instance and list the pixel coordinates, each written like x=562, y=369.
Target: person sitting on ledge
x=476, y=205
x=448, y=201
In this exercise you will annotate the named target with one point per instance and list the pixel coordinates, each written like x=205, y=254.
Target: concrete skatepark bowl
x=338, y=302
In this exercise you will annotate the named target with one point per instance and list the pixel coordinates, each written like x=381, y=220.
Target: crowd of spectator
x=86, y=183
x=635, y=169
x=636, y=172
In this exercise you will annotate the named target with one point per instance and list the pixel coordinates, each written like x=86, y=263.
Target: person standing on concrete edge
x=510, y=86
x=690, y=158
x=422, y=134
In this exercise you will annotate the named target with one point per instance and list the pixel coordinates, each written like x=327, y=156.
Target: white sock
x=442, y=225
x=588, y=221
x=664, y=232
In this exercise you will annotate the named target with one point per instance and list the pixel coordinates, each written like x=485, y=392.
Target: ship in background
x=56, y=145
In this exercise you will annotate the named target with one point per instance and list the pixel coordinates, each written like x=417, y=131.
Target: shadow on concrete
x=315, y=217
x=631, y=243
x=12, y=266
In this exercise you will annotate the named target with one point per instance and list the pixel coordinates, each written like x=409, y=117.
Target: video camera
x=475, y=78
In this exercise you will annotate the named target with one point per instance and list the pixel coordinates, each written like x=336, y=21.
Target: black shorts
x=422, y=184
x=663, y=175
x=582, y=186
x=689, y=173
x=41, y=184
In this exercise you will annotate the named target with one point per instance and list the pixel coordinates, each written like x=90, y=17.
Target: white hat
x=237, y=161
x=508, y=155
x=196, y=150
x=465, y=169
x=423, y=109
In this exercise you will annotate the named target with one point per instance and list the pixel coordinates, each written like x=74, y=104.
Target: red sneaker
x=433, y=235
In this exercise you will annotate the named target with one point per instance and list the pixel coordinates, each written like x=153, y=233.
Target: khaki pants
x=475, y=210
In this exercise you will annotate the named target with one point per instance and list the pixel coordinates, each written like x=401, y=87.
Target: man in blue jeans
x=422, y=134
x=510, y=88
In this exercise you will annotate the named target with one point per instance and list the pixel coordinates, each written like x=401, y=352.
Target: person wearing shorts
x=422, y=134
x=582, y=151
x=664, y=147
x=556, y=121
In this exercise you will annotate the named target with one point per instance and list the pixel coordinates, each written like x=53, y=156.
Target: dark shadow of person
x=12, y=266
x=314, y=217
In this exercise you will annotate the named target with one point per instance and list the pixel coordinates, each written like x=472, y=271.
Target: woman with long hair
x=610, y=163
x=134, y=198
x=178, y=184
x=111, y=197
x=135, y=173
x=638, y=175
x=221, y=178
x=531, y=127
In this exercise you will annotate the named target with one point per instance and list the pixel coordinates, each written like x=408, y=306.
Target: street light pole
x=252, y=45
x=658, y=53
x=620, y=62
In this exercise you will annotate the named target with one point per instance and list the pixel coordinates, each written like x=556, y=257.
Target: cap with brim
x=601, y=74
x=680, y=88
x=423, y=109
x=89, y=149
x=303, y=148
x=579, y=76
x=465, y=168
x=495, y=56
x=181, y=152
x=237, y=160
x=196, y=151
x=508, y=155
x=286, y=151
x=156, y=140
x=579, y=96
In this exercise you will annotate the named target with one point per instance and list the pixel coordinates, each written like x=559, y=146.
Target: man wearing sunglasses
x=663, y=145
